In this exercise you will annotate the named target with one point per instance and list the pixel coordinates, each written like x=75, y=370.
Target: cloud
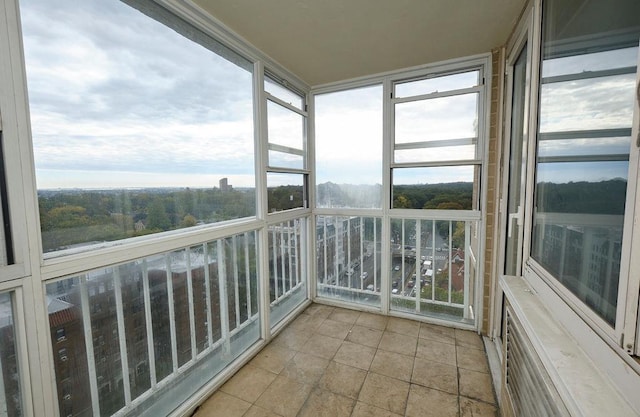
x=113, y=91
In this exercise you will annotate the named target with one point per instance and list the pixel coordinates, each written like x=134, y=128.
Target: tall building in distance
x=224, y=185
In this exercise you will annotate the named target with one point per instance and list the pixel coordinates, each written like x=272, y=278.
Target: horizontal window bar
x=585, y=75
x=286, y=105
x=436, y=164
x=286, y=149
x=449, y=93
x=287, y=170
x=436, y=143
x=586, y=134
x=583, y=158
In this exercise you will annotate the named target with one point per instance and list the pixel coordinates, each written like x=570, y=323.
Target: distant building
x=139, y=226
x=224, y=185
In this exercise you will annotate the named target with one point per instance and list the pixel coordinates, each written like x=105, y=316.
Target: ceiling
x=323, y=41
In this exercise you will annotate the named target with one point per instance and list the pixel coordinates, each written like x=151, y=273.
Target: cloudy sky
x=119, y=100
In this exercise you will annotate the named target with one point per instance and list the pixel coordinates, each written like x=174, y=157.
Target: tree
x=401, y=202
x=157, y=217
x=188, y=221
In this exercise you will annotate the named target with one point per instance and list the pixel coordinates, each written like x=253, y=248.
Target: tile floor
x=334, y=362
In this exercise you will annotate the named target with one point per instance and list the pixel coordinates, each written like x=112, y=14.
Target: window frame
x=305, y=171
x=16, y=149
x=483, y=66
x=623, y=338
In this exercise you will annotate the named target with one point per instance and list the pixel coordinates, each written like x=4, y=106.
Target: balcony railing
x=287, y=274
x=348, y=258
x=432, y=269
x=171, y=321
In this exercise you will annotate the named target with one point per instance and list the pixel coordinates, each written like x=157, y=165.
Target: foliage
x=446, y=196
x=76, y=217
x=604, y=197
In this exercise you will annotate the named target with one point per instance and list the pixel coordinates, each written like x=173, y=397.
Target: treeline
x=604, y=197
x=82, y=216
x=446, y=196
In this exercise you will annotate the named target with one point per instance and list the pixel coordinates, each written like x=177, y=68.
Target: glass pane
x=583, y=147
x=454, y=117
x=287, y=286
x=179, y=297
x=595, y=103
x=429, y=273
x=597, y=61
x=131, y=278
x=68, y=343
x=349, y=259
x=159, y=303
x=285, y=191
x=276, y=89
x=10, y=392
x=106, y=344
x=446, y=188
x=214, y=291
x=580, y=193
x=285, y=160
x=129, y=138
x=517, y=161
x=438, y=84
x=285, y=127
x=440, y=153
x=182, y=319
x=349, y=148
x=200, y=297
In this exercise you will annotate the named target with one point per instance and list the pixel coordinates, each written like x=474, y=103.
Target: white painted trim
x=568, y=349
x=522, y=35
x=629, y=294
x=451, y=65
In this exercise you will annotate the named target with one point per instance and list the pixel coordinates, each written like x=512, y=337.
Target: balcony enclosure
x=319, y=209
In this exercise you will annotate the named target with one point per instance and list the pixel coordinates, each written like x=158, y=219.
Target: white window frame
x=623, y=335
x=608, y=348
x=304, y=152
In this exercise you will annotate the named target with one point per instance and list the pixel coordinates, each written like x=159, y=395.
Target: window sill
x=579, y=377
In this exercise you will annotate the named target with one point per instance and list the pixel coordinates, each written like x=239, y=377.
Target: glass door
x=514, y=165
x=515, y=154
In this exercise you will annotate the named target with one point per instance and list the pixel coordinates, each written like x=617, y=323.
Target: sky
x=133, y=103
x=119, y=100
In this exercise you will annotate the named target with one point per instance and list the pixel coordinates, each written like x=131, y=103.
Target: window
x=11, y=392
x=348, y=140
x=587, y=94
x=61, y=335
x=287, y=171
x=6, y=246
x=140, y=125
x=436, y=147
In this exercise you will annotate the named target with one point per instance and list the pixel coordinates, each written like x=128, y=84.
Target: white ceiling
x=323, y=41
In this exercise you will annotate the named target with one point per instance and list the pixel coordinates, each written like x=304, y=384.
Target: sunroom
x=319, y=208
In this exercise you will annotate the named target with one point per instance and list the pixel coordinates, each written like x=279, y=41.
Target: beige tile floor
x=334, y=362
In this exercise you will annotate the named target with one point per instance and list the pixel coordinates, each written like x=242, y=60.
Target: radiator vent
x=528, y=386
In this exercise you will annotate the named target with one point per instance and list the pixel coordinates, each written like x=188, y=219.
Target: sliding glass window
x=436, y=152
x=287, y=170
x=587, y=92
x=141, y=123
